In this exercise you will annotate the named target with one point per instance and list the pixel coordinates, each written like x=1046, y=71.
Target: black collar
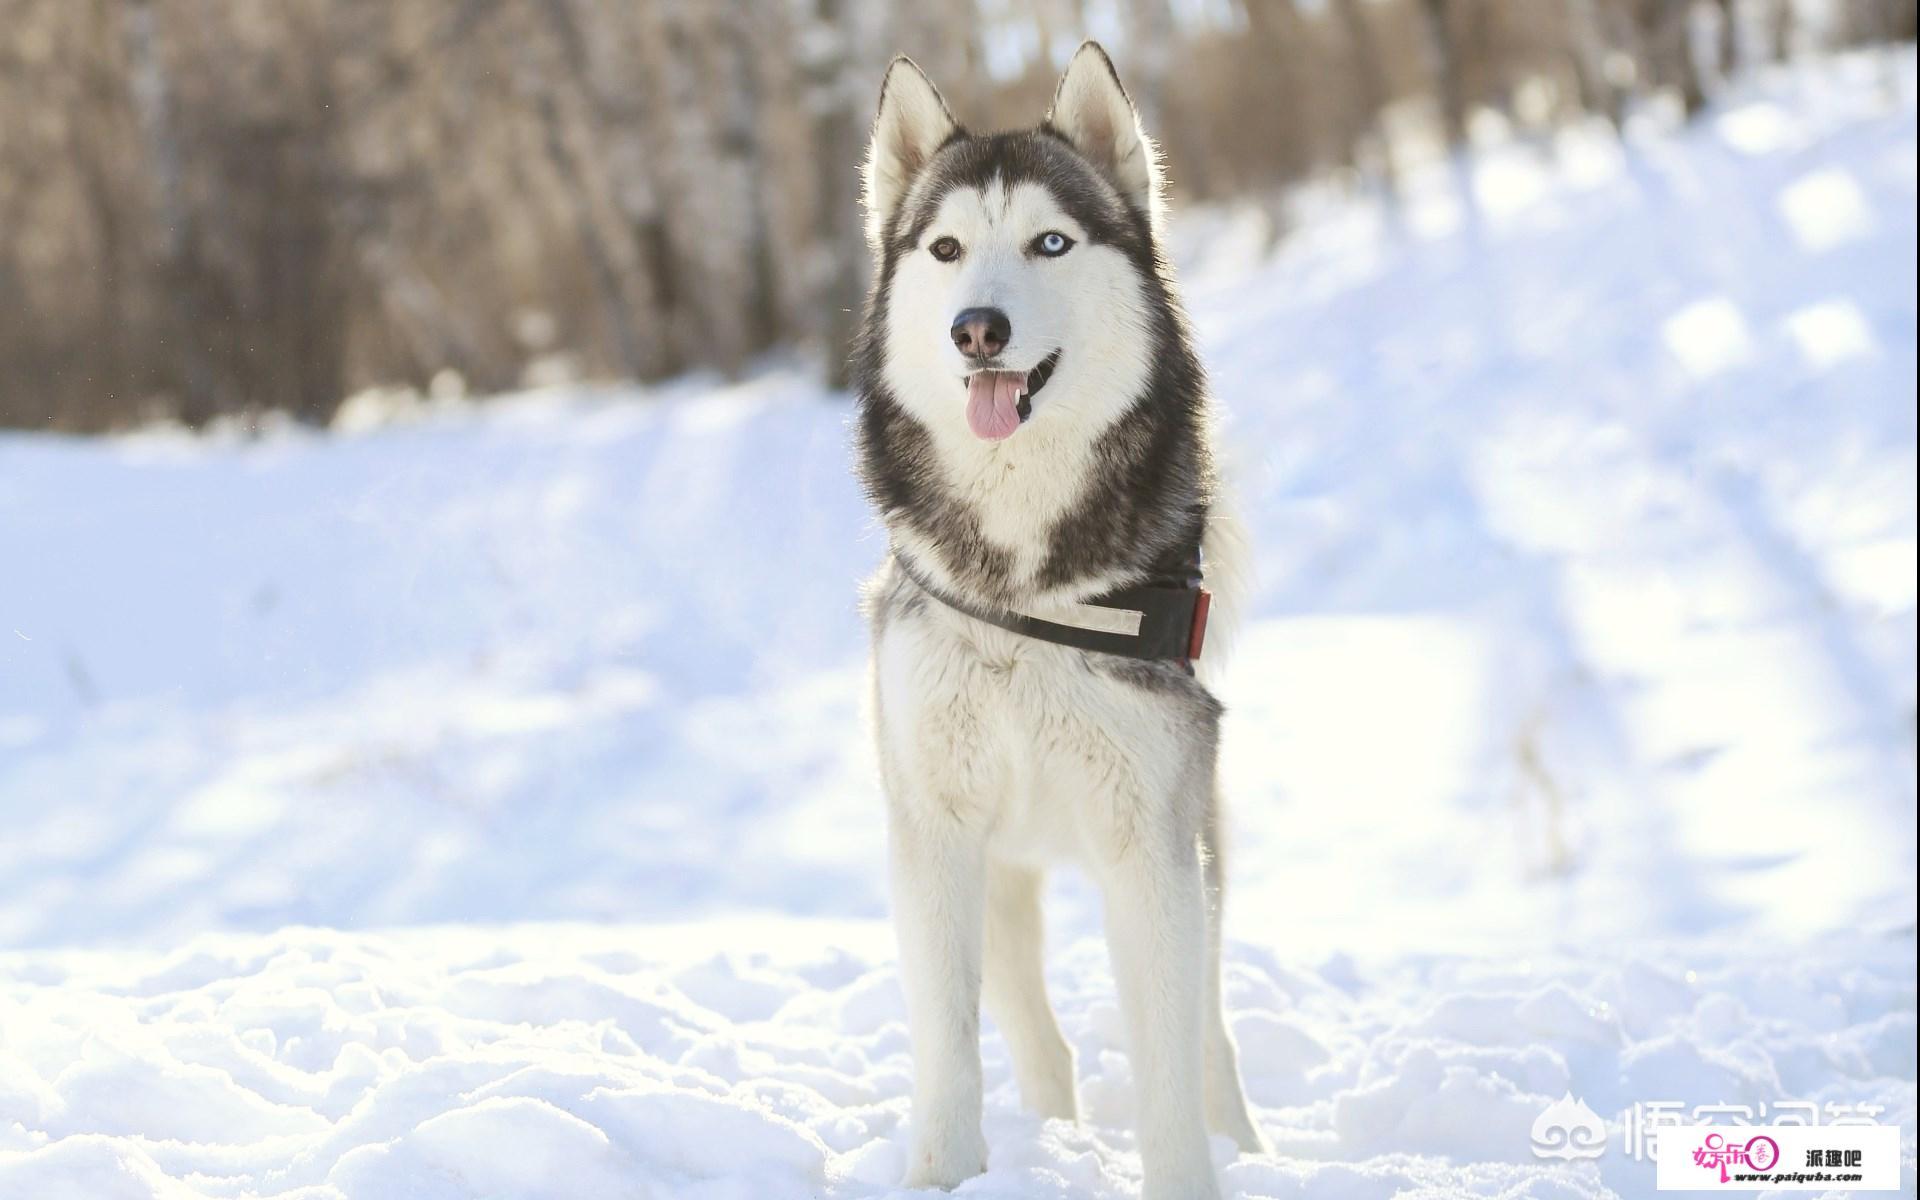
x=1163, y=618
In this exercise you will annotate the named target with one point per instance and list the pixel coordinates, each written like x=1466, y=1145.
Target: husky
x=1035, y=431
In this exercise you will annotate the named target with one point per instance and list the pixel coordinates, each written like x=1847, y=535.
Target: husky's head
x=1014, y=262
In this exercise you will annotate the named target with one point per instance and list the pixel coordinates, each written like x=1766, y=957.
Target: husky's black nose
x=981, y=332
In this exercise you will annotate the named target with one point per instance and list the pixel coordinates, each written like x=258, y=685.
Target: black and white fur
x=1002, y=755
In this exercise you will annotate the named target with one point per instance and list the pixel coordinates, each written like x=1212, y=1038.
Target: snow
x=597, y=1061
x=476, y=802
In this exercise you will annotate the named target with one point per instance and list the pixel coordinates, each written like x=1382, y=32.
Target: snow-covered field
x=480, y=806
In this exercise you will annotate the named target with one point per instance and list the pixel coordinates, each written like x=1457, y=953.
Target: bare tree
x=1370, y=90
x=1666, y=40
x=838, y=98
x=1591, y=49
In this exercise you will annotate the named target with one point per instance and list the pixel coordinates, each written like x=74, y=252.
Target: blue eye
x=1052, y=244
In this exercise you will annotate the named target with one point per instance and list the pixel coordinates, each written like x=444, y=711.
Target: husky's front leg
x=1156, y=934
x=939, y=884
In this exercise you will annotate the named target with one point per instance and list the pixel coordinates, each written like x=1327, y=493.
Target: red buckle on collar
x=1197, y=635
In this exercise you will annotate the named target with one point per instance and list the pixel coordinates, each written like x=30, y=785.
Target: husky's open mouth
x=999, y=402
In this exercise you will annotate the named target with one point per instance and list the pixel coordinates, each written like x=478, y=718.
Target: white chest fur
x=1019, y=739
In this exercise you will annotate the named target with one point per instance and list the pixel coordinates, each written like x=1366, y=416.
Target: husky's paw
x=1204, y=1188
x=1054, y=1102
x=1046, y=1088
x=1234, y=1122
x=946, y=1162
x=1191, y=1179
x=1251, y=1141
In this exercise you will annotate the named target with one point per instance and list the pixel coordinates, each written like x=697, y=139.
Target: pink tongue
x=991, y=400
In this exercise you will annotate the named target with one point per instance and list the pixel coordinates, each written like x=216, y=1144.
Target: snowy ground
x=480, y=806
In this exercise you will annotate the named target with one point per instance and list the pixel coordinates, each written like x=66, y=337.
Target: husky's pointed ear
x=912, y=123
x=1092, y=111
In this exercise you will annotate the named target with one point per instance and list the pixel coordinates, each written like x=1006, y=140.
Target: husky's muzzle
x=999, y=402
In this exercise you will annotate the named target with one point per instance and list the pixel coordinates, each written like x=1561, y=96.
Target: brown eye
x=945, y=249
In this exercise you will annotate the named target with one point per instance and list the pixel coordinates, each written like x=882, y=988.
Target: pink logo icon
x=1760, y=1153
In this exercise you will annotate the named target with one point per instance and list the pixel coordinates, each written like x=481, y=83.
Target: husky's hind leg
x=1226, y=1099
x=1016, y=992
